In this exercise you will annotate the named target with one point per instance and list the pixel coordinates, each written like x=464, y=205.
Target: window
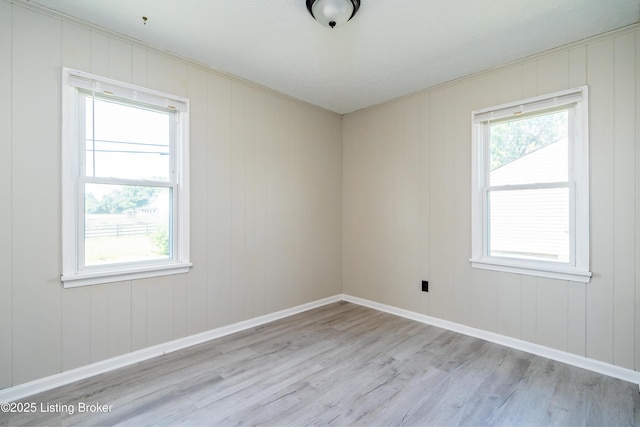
x=530, y=189
x=125, y=181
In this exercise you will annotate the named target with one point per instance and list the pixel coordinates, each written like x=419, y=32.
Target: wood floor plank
x=343, y=364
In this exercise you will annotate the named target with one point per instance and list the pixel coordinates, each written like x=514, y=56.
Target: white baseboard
x=21, y=391
x=24, y=390
x=540, y=350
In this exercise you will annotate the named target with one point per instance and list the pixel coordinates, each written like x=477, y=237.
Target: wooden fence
x=119, y=230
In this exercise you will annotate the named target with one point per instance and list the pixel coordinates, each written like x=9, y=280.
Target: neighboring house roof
x=551, y=159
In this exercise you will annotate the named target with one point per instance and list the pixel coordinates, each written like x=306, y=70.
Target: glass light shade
x=332, y=13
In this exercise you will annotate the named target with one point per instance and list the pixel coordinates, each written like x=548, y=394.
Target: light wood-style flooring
x=343, y=364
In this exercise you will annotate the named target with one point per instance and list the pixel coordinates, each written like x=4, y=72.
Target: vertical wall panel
x=120, y=60
x=139, y=66
x=256, y=241
x=408, y=221
x=578, y=66
x=281, y=209
x=356, y=206
x=529, y=79
x=99, y=322
x=462, y=204
x=241, y=190
x=180, y=79
x=180, y=311
x=576, y=313
x=138, y=315
x=551, y=328
x=329, y=154
x=371, y=183
x=510, y=88
x=6, y=281
x=99, y=53
x=442, y=212
x=35, y=195
x=160, y=72
x=218, y=201
x=624, y=203
x=509, y=305
x=424, y=231
x=119, y=318
x=76, y=47
x=553, y=73
x=529, y=314
x=637, y=206
x=76, y=328
x=387, y=253
x=197, y=279
x=159, y=309
x=305, y=205
x=600, y=291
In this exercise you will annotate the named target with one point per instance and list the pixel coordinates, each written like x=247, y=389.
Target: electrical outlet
x=425, y=286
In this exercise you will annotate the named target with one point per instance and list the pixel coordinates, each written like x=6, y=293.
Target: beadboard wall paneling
x=599, y=320
x=600, y=66
x=624, y=255
x=637, y=207
x=35, y=195
x=6, y=213
x=266, y=188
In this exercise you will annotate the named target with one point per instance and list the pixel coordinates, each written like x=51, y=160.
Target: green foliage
x=161, y=240
x=118, y=201
x=91, y=203
x=513, y=139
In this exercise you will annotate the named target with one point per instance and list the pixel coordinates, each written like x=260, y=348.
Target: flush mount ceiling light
x=332, y=13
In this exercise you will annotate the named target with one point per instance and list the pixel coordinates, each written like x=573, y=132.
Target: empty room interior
x=326, y=212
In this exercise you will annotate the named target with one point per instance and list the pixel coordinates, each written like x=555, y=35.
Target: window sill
x=109, y=276
x=532, y=269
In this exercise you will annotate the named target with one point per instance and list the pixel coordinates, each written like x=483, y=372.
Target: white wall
x=266, y=174
x=406, y=206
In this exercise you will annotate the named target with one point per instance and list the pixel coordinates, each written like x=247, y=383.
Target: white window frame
x=73, y=275
x=577, y=269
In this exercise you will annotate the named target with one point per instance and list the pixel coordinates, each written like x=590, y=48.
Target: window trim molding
x=72, y=275
x=577, y=269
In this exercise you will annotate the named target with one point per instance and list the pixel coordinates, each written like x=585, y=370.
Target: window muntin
x=125, y=181
x=530, y=181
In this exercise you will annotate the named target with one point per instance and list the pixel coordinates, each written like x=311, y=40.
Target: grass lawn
x=107, y=250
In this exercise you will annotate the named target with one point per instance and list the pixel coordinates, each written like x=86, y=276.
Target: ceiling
x=389, y=49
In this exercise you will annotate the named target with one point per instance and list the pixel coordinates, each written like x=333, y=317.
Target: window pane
x=531, y=224
x=126, y=224
x=529, y=150
x=127, y=142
